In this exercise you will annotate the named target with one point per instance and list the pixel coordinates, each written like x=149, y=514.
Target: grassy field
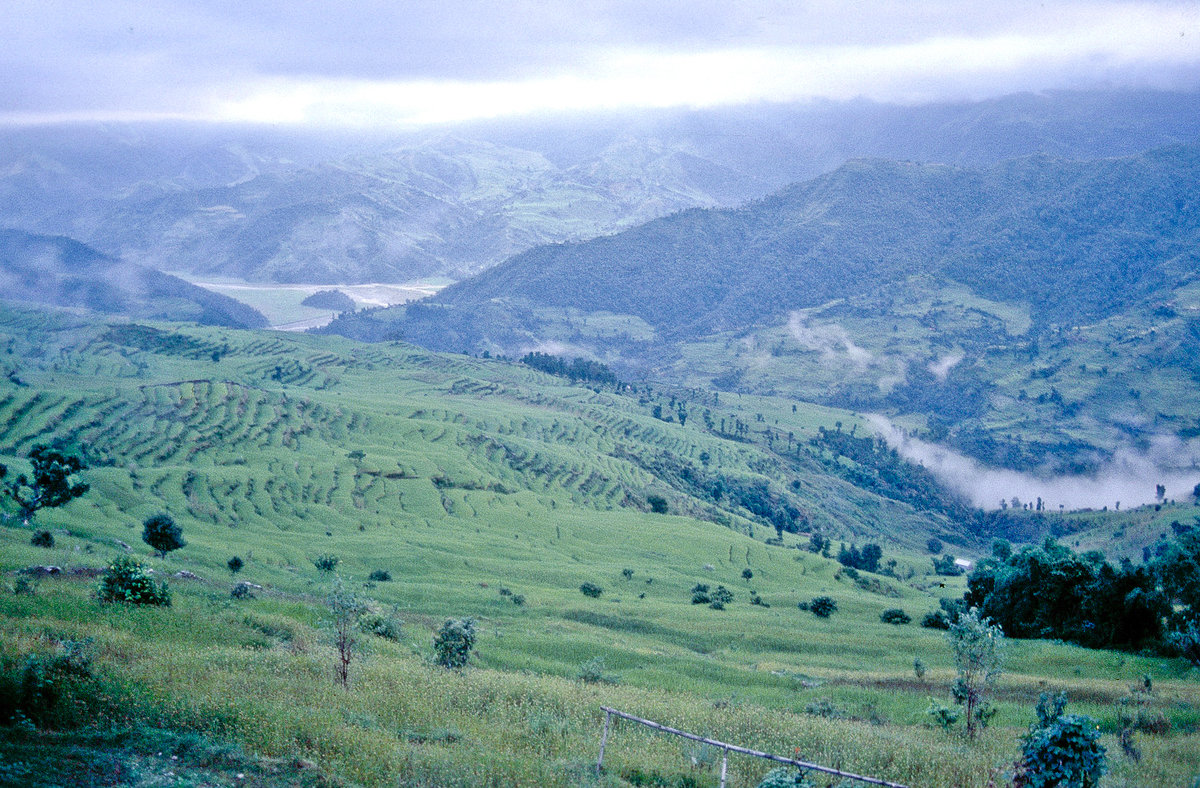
x=473, y=481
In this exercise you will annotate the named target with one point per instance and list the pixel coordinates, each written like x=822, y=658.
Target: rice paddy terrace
x=471, y=483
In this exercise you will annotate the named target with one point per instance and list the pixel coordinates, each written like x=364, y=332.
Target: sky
x=414, y=62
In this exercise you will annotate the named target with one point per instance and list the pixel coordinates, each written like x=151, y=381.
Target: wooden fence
x=728, y=748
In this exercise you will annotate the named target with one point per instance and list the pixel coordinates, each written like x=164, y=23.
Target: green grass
x=475, y=476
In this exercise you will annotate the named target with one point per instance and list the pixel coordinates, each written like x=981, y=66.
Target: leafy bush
x=1060, y=749
x=934, y=545
x=720, y=598
x=936, y=619
x=784, y=778
x=592, y=672
x=36, y=693
x=700, y=594
x=384, y=626
x=591, y=589
x=824, y=708
x=42, y=539
x=941, y=716
x=658, y=504
x=919, y=669
x=894, y=615
x=126, y=580
x=627, y=574
x=242, y=591
x=326, y=563
x=747, y=573
x=380, y=576
x=454, y=642
x=823, y=606
x=235, y=564
x=162, y=533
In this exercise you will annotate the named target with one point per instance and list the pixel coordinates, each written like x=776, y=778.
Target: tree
x=126, y=580
x=453, y=643
x=978, y=647
x=50, y=485
x=823, y=606
x=160, y=532
x=346, y=609
x=235, y=564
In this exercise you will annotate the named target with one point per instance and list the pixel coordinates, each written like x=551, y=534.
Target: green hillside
x=472, y=483
x=1037, y=312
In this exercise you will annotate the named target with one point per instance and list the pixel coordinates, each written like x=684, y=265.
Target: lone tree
x=978, y=654
x=160, y=532
x=453, y=643
x=50, y=486
x=346, y=609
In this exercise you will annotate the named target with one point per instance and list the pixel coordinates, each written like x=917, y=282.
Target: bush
x=823, y=606
x=934, y=545
x=386, y=627
x=895, y=615
x=627, y=574
x=747, y=573
x=380, y=576
x=700, y=594
x=591, y=589
x=941, y=716
x=784, y=778
x=1060, y=749
x=42, y=539
x=936, y=619
x=454, y=642
x=242, y=591
x=160, y=532
x=824, y=708
x=235, y=564
x=326, y=563
x=125, y=580
x=658, y=504
x=592, y=672
x=722, y=596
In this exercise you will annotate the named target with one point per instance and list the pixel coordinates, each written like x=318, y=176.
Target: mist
x=1128, y=479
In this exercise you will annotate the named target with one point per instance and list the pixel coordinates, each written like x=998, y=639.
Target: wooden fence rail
x=728, y=748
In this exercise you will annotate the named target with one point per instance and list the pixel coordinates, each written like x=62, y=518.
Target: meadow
x=472, y=482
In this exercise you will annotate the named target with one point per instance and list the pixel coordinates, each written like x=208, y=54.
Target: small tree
x=42, y=539
x=50, y=486
x=894, y=615
x=591, y=589
x=160, y=532
x=453, y=643
x=978, y=648
x=235, y=564
x=346, y=609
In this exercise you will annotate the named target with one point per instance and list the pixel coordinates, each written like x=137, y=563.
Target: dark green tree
x=50, y=485
x=162, y=533
x=453, y=643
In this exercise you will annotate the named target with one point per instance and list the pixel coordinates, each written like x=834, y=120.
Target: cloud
x=831, y=341
x=1128, y=479
x=421, y=62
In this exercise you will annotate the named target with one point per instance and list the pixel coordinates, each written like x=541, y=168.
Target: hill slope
x=59, y=271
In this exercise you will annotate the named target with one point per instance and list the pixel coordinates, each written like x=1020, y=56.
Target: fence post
x=603, y=741
x=724, y=764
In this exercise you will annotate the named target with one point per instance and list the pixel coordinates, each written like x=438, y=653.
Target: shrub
x=386, y=627
x=518, y=600
x=326, y=563
x=627, y=574
x=242, y=591
x=658, y=504
x=592, y=672
x=784, y=778
x=700, y=594
x=235, y=564
x=824, y=708
x=747, y=573
x=919, y=669
x=1060, y=749
x=42, y=539
x=934, y=545
x=125, y=580
x=720, y=598
x=454, y=642
x=936, y=619
x=160, y=532
x=755, y=599
x=380, y=576
x=823, y=606
x=591, y=589
x=895, y=615
x=941, y=716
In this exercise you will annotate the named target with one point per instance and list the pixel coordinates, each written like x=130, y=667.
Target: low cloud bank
x=1129, y=478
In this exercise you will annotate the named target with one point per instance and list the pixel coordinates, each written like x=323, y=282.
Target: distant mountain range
x=57, y=271
x=301, y=207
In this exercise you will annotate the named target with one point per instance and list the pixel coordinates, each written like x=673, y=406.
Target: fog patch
x=1129, y=478
x=941, y=367
x=553, y=348
x=831, y=340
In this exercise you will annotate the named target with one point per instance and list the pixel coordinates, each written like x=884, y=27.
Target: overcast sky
x=413, y=62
